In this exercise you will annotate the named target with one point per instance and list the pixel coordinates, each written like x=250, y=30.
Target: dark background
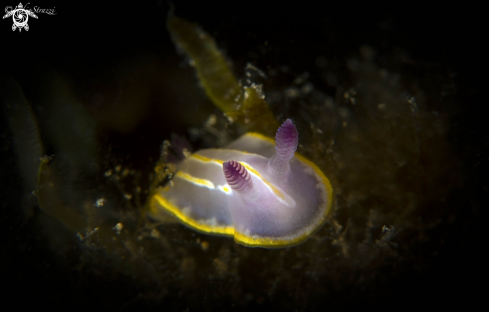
x=84, y=40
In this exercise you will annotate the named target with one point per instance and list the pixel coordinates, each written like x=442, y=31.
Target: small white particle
x=99, y=202
x=118, y=227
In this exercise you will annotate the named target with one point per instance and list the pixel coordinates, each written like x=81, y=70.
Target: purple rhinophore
x=237, y=177
x=286, y=141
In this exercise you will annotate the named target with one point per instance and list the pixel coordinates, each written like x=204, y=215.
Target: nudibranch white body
x=259, y=191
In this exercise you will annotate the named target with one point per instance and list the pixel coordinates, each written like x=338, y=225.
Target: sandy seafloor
x=386, y=104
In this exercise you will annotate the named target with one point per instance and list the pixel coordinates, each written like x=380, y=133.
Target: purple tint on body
x=266, y=195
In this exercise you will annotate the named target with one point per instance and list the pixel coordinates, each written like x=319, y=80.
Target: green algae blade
x=220, y=84
x=242, y=105
x=255, y=113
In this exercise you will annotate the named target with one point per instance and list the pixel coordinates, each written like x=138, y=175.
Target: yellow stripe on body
x=225, y=189
x=199, y=226
x=203, y=183
x=278, y=193
x=206, y=159
x=323, y=178
x=197, y=181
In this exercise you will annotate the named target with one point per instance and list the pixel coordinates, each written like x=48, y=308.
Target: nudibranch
x=261, y=192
